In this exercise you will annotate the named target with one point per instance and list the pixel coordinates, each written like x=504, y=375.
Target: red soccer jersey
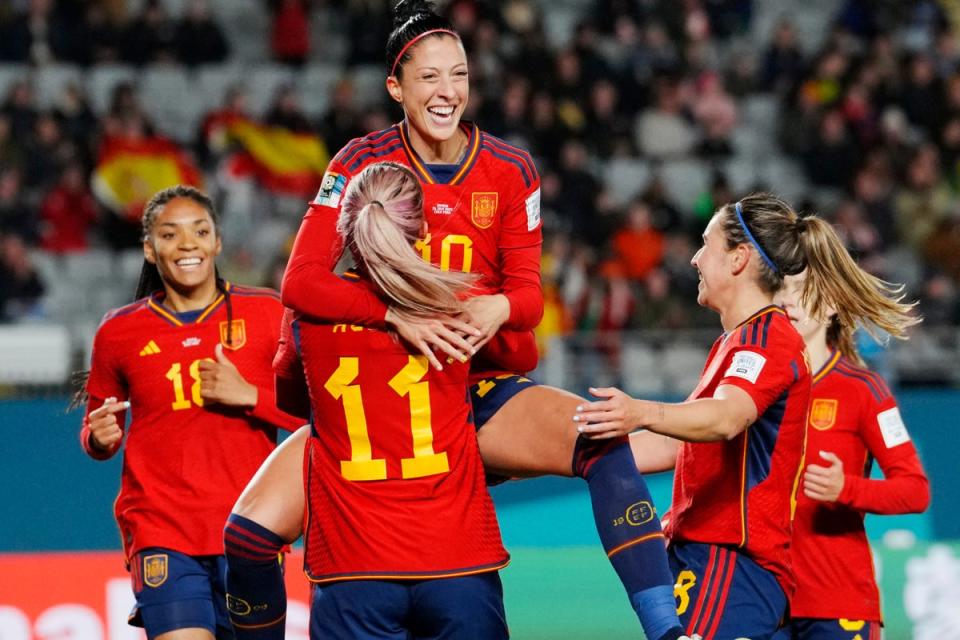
x=394, y=482
x=485, y=219
x=184, y=463
x=742, y=492
x=853, y=415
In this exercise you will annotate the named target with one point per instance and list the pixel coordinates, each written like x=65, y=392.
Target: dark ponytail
x=411, y=20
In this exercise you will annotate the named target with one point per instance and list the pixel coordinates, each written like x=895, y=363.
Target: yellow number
x=173, y=375
x=409, y=382
x=446, y=250
x=361, y=465
x=686, y=580
x=484, y=387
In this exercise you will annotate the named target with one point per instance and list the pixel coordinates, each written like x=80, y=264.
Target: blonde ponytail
x=381, y=218
x=833, y=278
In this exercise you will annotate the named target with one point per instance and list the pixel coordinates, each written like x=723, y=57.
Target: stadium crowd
x=642, y=123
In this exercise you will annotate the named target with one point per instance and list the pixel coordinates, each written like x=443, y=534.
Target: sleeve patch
x=533, y=210
x=746, y=365
x=331, y=189
x=892, y=429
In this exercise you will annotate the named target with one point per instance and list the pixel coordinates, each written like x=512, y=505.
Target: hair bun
x=405, y=10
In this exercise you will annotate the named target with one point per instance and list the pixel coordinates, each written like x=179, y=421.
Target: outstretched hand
x=441, y=333
x=824, y=483
x=615, y=414
x=221, y=382
x=486, y=313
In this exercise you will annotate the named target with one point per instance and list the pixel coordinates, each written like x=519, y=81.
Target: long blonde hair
x=791, y=243
x=380, y=220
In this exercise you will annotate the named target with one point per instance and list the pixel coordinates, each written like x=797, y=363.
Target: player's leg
x=175, y=597
x=360, y=610
x=834, y=629
x=724, y=594
x=527, y=429
x=465, y=608
x=267, y=516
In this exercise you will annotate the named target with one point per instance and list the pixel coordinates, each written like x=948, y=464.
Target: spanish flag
x=130, y=170
x=283, y=161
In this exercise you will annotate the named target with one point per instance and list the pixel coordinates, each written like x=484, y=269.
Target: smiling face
x=434, y=87
x=713, y=263
x=183, y=243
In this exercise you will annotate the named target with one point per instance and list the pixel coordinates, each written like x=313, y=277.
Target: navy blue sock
x=630, y=531
x=256, y=593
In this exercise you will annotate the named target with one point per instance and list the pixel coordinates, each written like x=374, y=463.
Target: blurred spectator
x=578, y=189
x=285, y=111
x=212, y=138
x=290, y=32
x=663, y=131
x=38, y=36
x=341, y=122
x=637, y=245
x=46, y=152
x=859, y=234
x=709, y=201
x=20, y=285
x=16, y=216
x=507, y=118
x=783, y=61
x=368, y=27
x=199, y=40
x=716, y=113
x=547, y=132
x=10, y=152
x=67, y=213
x=920, y=96
x=20, y=108
x=607, y=131
x=924, y=201
x=833, y=156
x=101, y=37
x=152, y=36
x=77, y=120
x=873, y=189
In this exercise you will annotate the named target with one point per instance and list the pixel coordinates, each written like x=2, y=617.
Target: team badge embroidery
x=239, y=334
x=823, y=413
x=155, y=570
x=483, y=208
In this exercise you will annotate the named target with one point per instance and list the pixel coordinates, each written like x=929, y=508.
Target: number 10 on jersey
x=407, y=382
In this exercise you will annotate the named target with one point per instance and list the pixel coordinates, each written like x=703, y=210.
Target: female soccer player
x=854, y=420
x=482, y=204
x=202, y=421
x=401, y=536
x=743, y=427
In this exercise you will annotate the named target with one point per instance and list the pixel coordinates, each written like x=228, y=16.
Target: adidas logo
x=150, y=349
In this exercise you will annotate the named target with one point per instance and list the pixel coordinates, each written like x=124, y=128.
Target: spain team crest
x=155, y=569
x=823, y=413
x=483, y=208
x=238, y=335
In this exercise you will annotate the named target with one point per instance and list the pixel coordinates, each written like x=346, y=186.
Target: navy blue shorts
x=723, y=594
x=833, y=629
x=464, y=608
x=177, y=591
x=488, y=395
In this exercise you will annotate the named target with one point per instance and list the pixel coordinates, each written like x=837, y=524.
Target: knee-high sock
x=256, y=594
x=630, y=531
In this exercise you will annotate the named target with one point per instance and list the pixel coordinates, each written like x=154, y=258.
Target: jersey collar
x=422, y=169
x=155, y=304
x=827, y=367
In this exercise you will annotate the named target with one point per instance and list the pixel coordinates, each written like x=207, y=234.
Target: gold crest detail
x=483, y=208
x=155, y=570
x=823, y=413
x=238, y=335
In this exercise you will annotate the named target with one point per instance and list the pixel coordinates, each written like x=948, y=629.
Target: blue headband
x=753, y=241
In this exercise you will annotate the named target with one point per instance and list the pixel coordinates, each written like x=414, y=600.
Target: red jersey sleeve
x=105, y=381
x=521, y=238
x=905, y=487
x=290, y=382
x=763, y=373
x=309, y=284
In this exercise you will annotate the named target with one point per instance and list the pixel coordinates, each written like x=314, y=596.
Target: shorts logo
x=238, y=335
x=155, y=570
x=823, y=413
x=331, y=189
x=483, y=208
x=639, y=513
x=238, y=606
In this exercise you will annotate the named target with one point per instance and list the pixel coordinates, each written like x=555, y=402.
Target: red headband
x=411, y=43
